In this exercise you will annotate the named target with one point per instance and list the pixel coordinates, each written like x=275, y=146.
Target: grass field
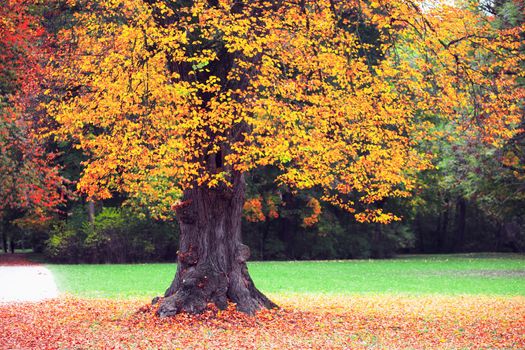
x=472, y=274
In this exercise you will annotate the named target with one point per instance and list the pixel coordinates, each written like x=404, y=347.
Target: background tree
x=175, y=101
x=474, y=199
x=30, y=186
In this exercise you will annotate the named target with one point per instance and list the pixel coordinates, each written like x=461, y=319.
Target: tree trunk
x=442, y=229
x=4, y=237
x=91, y=212
x=212, y=259
x=420, y=237
x=461, y=215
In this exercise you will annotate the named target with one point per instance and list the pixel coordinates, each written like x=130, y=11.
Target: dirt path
x=22, y=280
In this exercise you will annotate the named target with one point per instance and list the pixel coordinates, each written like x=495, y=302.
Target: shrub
x=64, y=244
x=116, y=236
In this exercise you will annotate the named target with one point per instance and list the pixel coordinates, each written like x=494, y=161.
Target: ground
x=23, y=280
x=313, y=320
x=302, y=323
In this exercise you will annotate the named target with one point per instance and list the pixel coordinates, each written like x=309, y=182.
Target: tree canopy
x=338, y=95
x=31, y=186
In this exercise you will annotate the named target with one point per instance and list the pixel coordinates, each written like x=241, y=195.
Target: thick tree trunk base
x=212, y=259
x=202, y=285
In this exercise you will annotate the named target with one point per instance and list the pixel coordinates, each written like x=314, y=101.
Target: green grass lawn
x=490, y=274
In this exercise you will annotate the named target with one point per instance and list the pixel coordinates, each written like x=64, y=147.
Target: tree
x=477, y=192
x=175, y=101
x=31, y=187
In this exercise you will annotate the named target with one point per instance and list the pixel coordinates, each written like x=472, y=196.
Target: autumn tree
x=31, y=187
x=473, y=199
x=174, y=101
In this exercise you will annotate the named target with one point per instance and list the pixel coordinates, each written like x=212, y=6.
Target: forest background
x=472, y=198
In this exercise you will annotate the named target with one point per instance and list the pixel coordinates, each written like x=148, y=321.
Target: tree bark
x=461, y=216
x=420, y=236
x=12, y=245
x=442, y=228
x=91, y=211
x=4, y=236
x=212, y=259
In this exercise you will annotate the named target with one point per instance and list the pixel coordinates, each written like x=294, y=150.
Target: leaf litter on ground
x=303, y=322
